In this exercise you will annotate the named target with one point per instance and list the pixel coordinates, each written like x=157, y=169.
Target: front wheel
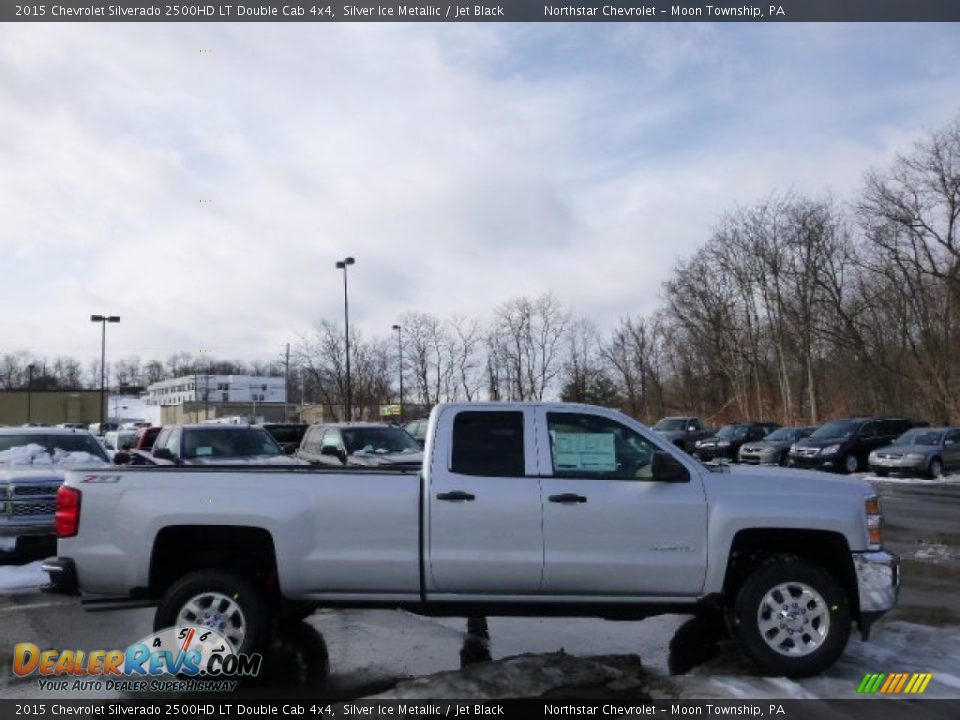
x=792, y=617
x=223, y=601
x=851, y=464
x=935, y=469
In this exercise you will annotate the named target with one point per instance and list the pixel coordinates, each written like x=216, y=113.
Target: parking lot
x=350, y=654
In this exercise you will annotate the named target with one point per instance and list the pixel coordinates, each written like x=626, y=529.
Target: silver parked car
x=921, y=451
x=774, y=448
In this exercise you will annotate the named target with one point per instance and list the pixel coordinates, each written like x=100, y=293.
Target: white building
x=217, y=389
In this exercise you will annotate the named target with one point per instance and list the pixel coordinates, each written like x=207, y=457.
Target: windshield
x=287, y=433
x=671, y=424
x=732, y=432
x=229, y=442
x=836, y=429
x=379, y=440
x=784, y=434
x=22, y=449
x=919, y=437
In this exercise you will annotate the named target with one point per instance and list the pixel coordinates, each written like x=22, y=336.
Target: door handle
x=567, y=498
x=456, y=495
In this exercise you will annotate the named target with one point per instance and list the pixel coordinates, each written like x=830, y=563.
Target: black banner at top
x=505, y=11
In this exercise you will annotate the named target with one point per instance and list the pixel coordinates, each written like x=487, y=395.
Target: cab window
x=589, y=446
x=488, y=444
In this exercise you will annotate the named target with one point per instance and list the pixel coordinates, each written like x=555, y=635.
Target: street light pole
x=399, y=330
x=30, y=368
x=103, y=320
x=342, y=265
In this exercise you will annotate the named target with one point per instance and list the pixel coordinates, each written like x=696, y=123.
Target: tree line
x=794, y=309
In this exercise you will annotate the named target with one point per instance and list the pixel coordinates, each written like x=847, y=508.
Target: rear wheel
x=935, y=469
x=792, y=617
x=228, y=603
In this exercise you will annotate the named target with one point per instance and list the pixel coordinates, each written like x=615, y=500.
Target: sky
x=201, y=180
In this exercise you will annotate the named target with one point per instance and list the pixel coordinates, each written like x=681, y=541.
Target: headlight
x=723, y=443
x=830, y=450
x=793, y=448
x=872, y=457
x=698, y=443
x=914, y=457
x=874, y=522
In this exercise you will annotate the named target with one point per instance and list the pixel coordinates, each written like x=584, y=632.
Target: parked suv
x=844, y=445
x=728, y=440
x=360, y=444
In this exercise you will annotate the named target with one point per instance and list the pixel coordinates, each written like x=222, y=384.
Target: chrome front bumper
x=878, y=580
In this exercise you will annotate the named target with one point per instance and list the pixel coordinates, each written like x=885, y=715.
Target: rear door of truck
x=483, y=512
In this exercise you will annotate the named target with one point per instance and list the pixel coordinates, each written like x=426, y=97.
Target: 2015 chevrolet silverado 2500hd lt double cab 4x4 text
x=520, y=509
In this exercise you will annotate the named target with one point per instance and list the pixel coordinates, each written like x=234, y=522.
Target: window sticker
x=584, y=451
x=207, y=450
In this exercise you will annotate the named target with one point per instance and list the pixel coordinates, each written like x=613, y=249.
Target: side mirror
x=163, y=454
x=666, y=468
x=121, y=457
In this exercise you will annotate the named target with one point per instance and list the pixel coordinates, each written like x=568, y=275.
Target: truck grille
x=21, y=509
x=18, y=491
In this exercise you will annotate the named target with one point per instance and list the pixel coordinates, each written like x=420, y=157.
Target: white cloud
x=200, y=180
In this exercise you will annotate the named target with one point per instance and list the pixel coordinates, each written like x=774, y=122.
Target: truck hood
x=759, y=481
x=408, y=459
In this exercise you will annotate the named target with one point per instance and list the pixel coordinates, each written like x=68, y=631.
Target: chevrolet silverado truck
x=537, y=509
x=32, y=462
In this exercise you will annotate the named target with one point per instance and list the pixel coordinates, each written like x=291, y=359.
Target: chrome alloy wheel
x=215, y=611
x=793, y=619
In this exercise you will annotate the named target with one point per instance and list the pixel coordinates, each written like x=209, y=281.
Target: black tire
x=784, y=459
x=851, y=464
x=257, y=618
x=935, y=468
x=747, y=612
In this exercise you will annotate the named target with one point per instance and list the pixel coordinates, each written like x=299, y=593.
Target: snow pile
x=22, y=577
x=953, y=478
x=935, y=552
x=34, y=454
x=530, y=675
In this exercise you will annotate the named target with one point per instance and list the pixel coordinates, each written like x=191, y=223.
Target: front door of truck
x=483, y=519
x=609, y=527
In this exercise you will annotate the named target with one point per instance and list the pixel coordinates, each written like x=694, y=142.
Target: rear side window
x=489, y=444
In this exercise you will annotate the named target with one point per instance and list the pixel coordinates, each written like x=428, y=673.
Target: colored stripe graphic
x=894, y=683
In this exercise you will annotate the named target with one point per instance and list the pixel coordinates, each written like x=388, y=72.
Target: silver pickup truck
x=520, y=509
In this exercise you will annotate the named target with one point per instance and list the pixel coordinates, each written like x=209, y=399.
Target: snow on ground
x=936, y=552
x=22, y=577
x=34, y=454
x=895, y=647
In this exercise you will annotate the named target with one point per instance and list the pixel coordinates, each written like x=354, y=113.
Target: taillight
x=874, y=522
x=68, y=512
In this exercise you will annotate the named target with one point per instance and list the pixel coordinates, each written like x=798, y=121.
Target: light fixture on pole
x=399, y=330
x=103, y=320
x=30, y=368
x=342, y=265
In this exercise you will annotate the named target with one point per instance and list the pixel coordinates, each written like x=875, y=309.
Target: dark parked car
x=289, y=435
x=844, y=445
x=360, y=444
x=683, y=431
x=775, y=447
x=728, y=440
x=921, y=451
x=214, y=444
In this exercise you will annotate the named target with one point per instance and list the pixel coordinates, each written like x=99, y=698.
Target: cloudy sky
x=201, y=180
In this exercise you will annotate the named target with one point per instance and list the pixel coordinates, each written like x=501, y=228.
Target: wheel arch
x=830, y=550
x=182, y=549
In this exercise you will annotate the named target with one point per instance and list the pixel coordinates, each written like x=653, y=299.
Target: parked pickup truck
x=520, y=509
x=683, y=431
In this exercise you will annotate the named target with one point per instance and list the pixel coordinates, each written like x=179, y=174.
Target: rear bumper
x=63, y=576
x=43, y=526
